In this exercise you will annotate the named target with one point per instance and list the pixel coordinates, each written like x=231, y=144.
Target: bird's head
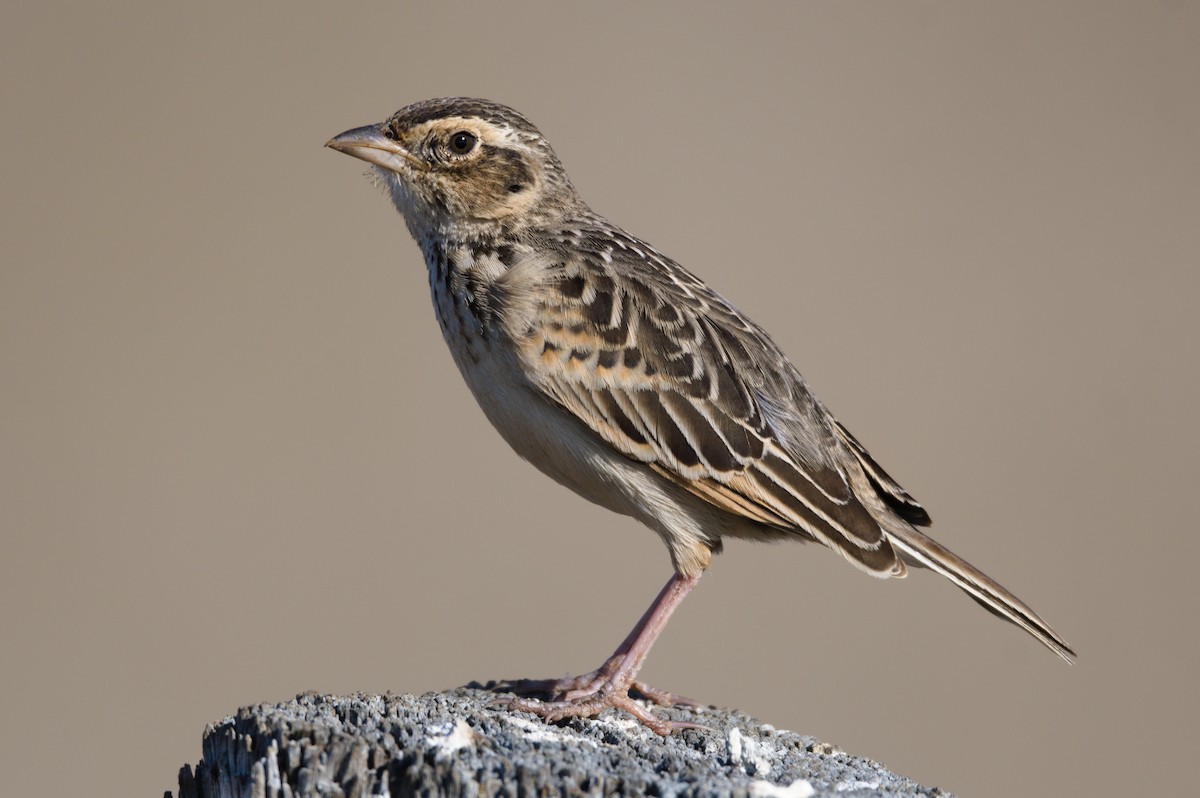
x=464, y=168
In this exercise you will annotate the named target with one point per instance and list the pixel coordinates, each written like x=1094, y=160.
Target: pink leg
x=609, y=685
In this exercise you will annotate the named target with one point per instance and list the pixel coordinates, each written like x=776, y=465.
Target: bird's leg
x=609, y=685
x=589, y=683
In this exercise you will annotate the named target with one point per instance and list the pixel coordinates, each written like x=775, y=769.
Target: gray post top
x=456, y=743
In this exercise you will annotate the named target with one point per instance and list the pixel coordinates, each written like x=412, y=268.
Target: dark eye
x=462, y=142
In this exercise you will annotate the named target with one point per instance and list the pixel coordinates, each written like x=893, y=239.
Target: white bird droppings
x=847, y=786
x=751, y=755
x=540, y=732
x=797, y=789
x=448, y=739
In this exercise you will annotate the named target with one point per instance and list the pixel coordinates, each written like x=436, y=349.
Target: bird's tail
x=922, y=550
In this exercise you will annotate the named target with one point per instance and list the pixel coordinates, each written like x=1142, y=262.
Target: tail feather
x=921, y=550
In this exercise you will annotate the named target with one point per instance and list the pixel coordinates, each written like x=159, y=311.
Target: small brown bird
x=621, y=375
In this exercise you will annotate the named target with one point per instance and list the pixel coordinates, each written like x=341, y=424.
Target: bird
x=624, y=377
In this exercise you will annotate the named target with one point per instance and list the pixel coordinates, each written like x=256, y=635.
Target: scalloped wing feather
x=670, y=374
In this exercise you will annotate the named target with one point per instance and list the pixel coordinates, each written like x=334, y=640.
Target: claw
x=662, y=697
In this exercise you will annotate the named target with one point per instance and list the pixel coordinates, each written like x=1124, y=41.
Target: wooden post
x=457, y=744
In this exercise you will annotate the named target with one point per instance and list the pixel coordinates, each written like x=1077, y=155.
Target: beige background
x=236, y=462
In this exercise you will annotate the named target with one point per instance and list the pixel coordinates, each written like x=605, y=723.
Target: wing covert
x=667, y=372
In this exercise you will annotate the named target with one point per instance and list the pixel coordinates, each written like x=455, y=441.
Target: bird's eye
x=462, y=142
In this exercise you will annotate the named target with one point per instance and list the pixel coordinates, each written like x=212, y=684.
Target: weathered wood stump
x=457, y=744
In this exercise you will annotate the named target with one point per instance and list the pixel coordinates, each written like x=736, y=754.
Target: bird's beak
x=369, y=144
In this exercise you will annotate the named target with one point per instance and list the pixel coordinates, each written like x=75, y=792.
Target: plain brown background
x=236, y=462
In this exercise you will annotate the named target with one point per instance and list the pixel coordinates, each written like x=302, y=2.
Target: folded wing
x=670, y=374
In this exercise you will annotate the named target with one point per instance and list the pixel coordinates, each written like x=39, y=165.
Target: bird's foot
x=587, y=684
x=589, y=707
x=609, y=685
x=589, y=694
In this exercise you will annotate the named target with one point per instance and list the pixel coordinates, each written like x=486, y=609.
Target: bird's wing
x=670, y=374
x=895, y=497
